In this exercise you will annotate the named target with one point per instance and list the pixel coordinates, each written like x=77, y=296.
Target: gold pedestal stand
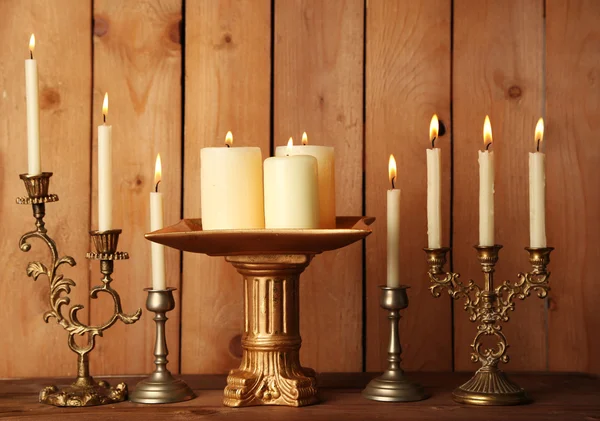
x=161, y=386
x=85, y=391
x=270, y=262
x=490, y=306
x=393, y=385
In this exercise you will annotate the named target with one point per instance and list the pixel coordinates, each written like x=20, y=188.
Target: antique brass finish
x=392, y=385
x=270, y=372
x=270, y=262
x=85, y=391
x=161, y=386
x=490, y=306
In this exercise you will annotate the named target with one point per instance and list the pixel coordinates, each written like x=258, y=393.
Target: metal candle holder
x=392, y=385
x=490, y=306
x=161, y=386
x=85, y=391
x=270, y=262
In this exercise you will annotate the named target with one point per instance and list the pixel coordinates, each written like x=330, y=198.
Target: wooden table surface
x=556, y=397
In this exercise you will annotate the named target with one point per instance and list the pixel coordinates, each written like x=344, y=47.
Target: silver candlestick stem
x=161, y=386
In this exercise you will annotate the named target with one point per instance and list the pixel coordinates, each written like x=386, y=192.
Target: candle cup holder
x=161, y=386
x=490, y=305
x=270, y=262
x=393, y=385
x=85, y=391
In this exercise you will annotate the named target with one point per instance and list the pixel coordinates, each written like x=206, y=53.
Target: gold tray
x=187, y=235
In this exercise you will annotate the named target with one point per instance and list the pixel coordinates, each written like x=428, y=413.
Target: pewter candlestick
x=392, y=385
x=161, y=386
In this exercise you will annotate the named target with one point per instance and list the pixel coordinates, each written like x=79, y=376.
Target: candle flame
x=290, y=143
x=487, y=131
x=304, y=139
x=539, y=130
x=434, y=128
x=32, y=44
x=157, y=171
x=392, y=170
x=229, y=139
x=105, y=106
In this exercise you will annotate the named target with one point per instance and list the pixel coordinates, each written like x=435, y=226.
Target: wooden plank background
x=363, y=76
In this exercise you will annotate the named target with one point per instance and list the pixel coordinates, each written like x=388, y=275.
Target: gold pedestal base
x=270, y=372
x=394, y=387
x=88, y=393
x=490, y=386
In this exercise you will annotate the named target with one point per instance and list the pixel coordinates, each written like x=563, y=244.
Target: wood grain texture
x=137, y=60
x=227, y=85
x=498, y=70
x=319, y=89
x=573, y=158
x=62, y=28
x=557, y=397
x=407, y=81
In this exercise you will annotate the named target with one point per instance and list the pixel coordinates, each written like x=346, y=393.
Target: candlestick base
x=392, y=385
x=490, y=386
x=161, y=386
x=86, y=393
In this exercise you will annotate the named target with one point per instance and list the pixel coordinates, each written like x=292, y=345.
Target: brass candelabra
x=85, y=391
x=490, y=306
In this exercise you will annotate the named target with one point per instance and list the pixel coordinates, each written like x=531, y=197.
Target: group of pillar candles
x=295, y=189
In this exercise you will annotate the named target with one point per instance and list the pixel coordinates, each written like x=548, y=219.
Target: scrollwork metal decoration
x=489, y=306
x=85, y=391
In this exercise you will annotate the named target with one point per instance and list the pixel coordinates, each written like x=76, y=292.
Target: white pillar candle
x=434, y=189
x=537, y=192
x=104, y=171
x=486, y=189
x=326, y=168
x=33, y=113
x=156, y=223
x=231, y=182
x=291, y=192
x=393, y=228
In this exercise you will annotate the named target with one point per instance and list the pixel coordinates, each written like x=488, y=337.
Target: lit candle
x=486, y=188
x=326, y=169
x=104, y=171
x=291, y=191
x=393, y=228
x=434, y=188
x=156, y=223
x=537, y=191
x=231, y=182
x=33, y=112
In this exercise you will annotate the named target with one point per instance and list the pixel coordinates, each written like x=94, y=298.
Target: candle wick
x=31, y=54
x=538, y=145
x=104, y=118
x=393, y=182
x=228, y=145
x=156, y=188
x=433, y=142
x=487, y=147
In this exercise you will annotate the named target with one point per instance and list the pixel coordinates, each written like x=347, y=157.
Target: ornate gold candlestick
x=392, y=385
x=161, y=386
x=270, y=262
x=490, y=306
x=85, y=391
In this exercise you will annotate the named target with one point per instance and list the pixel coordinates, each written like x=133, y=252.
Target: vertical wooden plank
x=498, y=70
x=137, y=60
x=573, y=158
x=319, y=89
x=62, y=30
x=227, y=87
x=407, y=81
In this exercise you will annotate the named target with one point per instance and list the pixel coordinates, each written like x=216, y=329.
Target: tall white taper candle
x=33, y=112
x=434, y=188
x=156, y=223
x=104, y=171
x=393, y=228
x=486, y=188
x=537, y=192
